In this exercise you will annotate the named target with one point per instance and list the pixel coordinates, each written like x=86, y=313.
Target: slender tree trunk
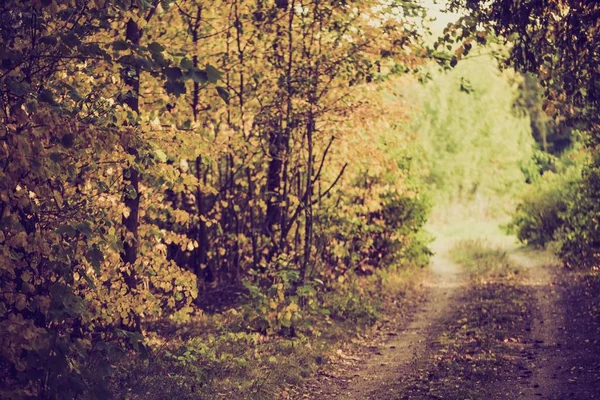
x=272, y=214
x=310, y=130
x=308, y=225
x=279, y=139
x=253, y=233
x=202, y=270
x=131, y=176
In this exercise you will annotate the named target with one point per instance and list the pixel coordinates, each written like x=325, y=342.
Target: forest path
x=407, y=344
x=401, y=355
x=561, y=353
x=548, y=320
x=541, y=353
x=534, y=334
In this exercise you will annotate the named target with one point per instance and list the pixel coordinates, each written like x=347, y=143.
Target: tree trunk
x=131, y=174
x=202, y=270
x=131, y=178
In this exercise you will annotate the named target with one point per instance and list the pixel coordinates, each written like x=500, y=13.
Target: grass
x=209, y=360
x=215, y=356
x=479, y=257
x=398, y=282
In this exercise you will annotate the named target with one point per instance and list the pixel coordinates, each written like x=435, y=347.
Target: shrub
x=579, y=238
x=382, y=232
x=350, y=302
x=542, y=207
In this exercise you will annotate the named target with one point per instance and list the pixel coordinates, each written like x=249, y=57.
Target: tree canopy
x=163, y=158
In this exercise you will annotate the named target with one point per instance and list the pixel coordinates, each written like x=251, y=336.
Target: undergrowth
x=219, y=356
x=478, y=257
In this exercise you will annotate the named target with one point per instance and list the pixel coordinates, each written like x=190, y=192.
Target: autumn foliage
x=154, y=151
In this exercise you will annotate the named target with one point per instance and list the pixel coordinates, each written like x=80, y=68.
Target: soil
x=535, y=335
x=374, y=367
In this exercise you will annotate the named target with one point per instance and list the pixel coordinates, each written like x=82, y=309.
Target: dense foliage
x=157, y=156
x=559, y=209
x=544, y=205
x=556, y=41
x=154, y=151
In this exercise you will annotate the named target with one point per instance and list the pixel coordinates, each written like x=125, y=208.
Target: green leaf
x=88, y=279
x=130, y=192
x=175, y=87
x=14, y=254
x=74, y=94
x=95, y=258
x=103, y=187
x=58, y=198
x=85, y=228
x=124, y=5
x=46, y=97
x=156, y=47
x=186, y=63
x=160, y=155
x=135, y=61
x=159, y=60
x=198, y=75
x=18, y=88
x=173, y=73
x=120, y=45
x=223, y=93
x=213, y=74
x=66, y=230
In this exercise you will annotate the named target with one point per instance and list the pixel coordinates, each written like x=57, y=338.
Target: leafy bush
x=405, y=216
x=352, y=303
x=560, y=208
x=580, y=236
x=274, y=308
x=542, y=206
x=539, y=163
x=385, y=230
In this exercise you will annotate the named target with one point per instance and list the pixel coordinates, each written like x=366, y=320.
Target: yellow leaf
x=287, y=316
x=21, y=302
x=19, y=240
x=58, y=198
x=26, y=276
